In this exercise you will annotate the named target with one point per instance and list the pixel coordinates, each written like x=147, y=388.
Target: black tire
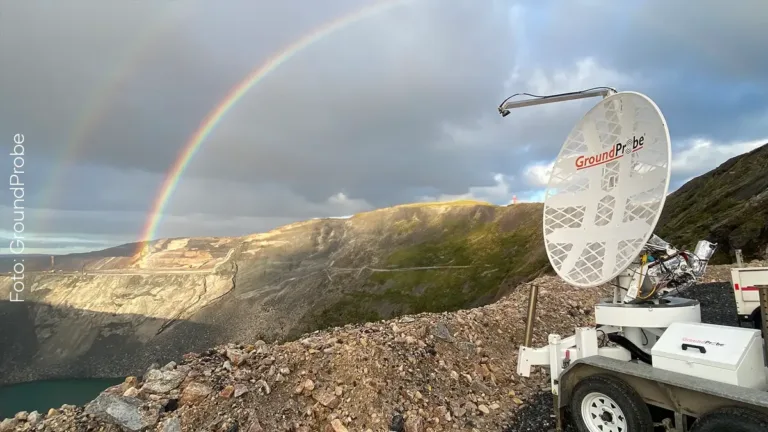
x=732, y=419
x=636, y=415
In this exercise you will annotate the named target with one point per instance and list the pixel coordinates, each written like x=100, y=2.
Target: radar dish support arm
x=509, y=104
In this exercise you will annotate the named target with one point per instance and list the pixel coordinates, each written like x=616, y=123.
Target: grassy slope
x=728, y=205
x=501, y=245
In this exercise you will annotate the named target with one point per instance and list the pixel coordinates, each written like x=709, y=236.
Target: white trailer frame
x=745, y=282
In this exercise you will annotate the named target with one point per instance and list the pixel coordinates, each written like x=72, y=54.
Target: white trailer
x=746, y=281
x=649, y=362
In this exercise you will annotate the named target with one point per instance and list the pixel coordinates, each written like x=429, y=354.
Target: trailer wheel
x=603, y=403
x=732, y=419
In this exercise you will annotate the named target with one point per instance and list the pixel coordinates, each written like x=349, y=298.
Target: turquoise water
x=43, y=395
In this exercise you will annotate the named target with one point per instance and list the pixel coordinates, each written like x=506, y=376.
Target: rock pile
x=421, y=373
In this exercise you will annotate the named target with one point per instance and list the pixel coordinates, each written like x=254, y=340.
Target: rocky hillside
x=728, y=205
x=418, y=373
x=99, y=315
x=104, y=313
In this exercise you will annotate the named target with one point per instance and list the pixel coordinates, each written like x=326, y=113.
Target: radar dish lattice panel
x=607, y=189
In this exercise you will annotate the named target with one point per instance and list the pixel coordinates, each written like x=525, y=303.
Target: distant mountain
x=728, y=205
x=69, y=262
x=100, y=315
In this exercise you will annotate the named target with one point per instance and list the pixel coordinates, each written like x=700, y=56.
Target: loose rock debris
x=422, y=373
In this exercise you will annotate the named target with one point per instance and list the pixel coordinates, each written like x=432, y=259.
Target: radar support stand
x=533, y=297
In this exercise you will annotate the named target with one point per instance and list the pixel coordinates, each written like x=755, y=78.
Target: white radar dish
x=607, y=189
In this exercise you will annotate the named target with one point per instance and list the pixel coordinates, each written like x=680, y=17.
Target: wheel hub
x=602, y=414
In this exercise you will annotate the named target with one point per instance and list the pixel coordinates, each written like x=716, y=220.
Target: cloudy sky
x=399, y=106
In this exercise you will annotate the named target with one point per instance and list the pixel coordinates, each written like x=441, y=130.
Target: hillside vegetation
x=456, y=257
x=728, y=205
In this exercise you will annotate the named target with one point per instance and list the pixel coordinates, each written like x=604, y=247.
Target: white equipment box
x=730, y=355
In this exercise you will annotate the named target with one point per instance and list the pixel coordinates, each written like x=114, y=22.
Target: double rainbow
x=97, y=104
x=213, y=118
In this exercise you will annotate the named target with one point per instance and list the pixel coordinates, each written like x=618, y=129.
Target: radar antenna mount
x=604, y=197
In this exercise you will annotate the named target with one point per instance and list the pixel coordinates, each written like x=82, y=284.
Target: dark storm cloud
x=368, y=105
x=392, y=109
x=370, y=101
x=704, y=61
x=656, y=33
x=147, y=71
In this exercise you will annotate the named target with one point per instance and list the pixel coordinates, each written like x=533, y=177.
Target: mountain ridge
x=190, y=293
x=182, y=294
x=747, y=186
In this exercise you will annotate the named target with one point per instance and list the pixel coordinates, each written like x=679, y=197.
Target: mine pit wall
x=73, y=326
x=271, y=286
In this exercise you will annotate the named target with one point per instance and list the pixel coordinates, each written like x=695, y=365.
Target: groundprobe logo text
x=620, y=149
x=702, y=342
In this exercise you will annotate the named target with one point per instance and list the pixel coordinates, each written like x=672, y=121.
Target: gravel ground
x=537, y=416
x=315, y=382
x=718, y=306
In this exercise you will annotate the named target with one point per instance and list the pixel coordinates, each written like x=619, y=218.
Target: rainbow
x=213, y=118
x=97, y=105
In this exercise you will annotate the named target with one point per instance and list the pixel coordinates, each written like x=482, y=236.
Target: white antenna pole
x=739, y=258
